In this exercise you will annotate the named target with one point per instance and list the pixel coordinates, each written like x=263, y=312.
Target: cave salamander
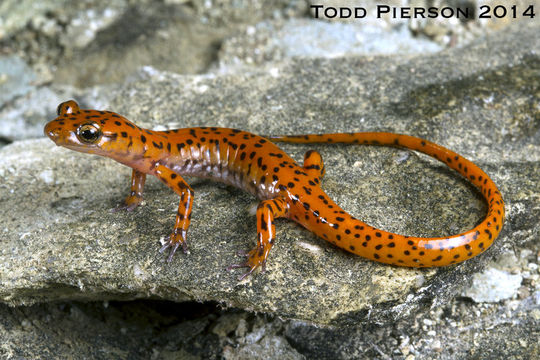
x=285, y=188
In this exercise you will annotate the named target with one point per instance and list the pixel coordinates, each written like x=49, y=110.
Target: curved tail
x=357, y=237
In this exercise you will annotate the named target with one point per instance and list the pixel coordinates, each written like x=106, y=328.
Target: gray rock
x=493, y=285
x=69, y=246
x=15, y=78
x=270, y=42
x=103, y=41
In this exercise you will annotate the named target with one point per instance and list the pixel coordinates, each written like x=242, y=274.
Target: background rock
x=481, y=100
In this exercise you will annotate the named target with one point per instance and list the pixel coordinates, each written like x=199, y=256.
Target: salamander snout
x=52, y=131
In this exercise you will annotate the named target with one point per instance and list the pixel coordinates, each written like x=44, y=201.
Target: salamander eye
x=88, y=133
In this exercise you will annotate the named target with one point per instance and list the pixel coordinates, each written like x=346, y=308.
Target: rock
x=102, y=42
x=270, y=42
x=59, y=242
x=15, y=78
x=72, y=247
x=493, y=285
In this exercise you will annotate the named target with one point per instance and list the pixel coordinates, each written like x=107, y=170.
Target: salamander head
x=90, y=131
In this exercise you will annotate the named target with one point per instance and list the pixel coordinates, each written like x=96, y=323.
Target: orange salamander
x=285, y=188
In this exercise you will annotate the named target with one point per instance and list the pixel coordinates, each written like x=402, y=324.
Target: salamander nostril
x=51, y=131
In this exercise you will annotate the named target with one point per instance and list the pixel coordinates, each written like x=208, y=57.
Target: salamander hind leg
x=183, y=215
x=135, y=197
x=313, y=164
x=267, y=211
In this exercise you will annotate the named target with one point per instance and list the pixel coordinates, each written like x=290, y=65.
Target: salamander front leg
x=267, y=211
x=135, y=196
x=183, y=216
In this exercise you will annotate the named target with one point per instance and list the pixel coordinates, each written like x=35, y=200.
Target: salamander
x=285, y=188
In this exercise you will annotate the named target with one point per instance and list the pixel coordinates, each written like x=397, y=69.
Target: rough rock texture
x=59, y=243
x=72, y=247
x=102, y=41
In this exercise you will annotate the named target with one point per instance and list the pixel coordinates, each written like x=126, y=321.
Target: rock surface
x=72, y=247
x=59, y=243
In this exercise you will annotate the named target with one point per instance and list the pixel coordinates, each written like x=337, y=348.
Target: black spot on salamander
x=159, y=146
x=143, y=139
x=124, y=134
x=189, y=142
x=252, y=155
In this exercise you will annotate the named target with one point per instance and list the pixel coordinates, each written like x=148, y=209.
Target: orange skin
x=286, y=189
